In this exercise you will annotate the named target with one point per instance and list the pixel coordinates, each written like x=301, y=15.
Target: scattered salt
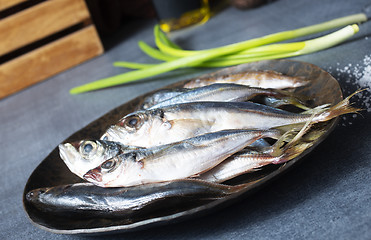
x=357, y=76
x=365, y=80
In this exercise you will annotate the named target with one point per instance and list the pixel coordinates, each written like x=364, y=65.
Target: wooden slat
x=49, y=60
x=4, y=4
x=40, y=21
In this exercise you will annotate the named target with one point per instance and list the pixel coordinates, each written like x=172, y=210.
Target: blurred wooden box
x=43, y=39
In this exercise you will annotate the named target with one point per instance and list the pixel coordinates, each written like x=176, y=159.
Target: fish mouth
x=66, y=152
x=69, y=156
x=94, y=175
x=32, y=195
x=63, y=152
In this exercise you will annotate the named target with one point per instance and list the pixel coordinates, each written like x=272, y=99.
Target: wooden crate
x=62, y=32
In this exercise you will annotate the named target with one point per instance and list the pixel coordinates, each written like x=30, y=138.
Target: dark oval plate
x=322, y=89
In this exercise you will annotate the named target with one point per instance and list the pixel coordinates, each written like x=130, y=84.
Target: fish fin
x=279, y=147
x=281, y=98
x=197, y=175
x=292, y=128
x=313, y=135
x=286, y=137
x=292, y=152
x=317, y=109
x=286, y=101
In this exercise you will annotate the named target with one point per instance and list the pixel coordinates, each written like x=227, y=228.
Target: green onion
x=154, y=53
x=163, y=38
x=281, y=36
x=301, y=48
x=213, y=57
x=253, y=52
x=311, y=46
x=258, y=51
x=133, y=65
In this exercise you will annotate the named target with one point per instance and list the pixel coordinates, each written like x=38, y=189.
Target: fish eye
x=109, y=164
x=87, y=148
x=132, y=122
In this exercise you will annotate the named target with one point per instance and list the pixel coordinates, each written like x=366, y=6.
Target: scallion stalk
x=258, y=51
x=253, y=52
x=154, y=53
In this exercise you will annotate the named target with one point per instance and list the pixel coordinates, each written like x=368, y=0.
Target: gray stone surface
x=327, y=196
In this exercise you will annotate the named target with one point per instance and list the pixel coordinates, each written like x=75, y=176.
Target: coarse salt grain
x=365, y=80
x=357, y=76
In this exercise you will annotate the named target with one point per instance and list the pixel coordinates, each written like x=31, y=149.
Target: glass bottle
x=177, y=14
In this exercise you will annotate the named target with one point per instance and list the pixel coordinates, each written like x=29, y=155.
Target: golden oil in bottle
x=177, y=14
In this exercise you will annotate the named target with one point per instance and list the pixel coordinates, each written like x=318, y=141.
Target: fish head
x=122, y=171
x=134, y=129
x=87, y=154
x=34, y=195
x=40, y=198
x=44, y=198
x=57, y=198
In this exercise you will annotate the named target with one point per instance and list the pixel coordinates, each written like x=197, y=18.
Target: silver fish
x=249, y=160
x=88, y=154
x=290, y=145
x=259, y=79
x=84, y=155
x=174, y=161
x=173, y=123
x=225, y=92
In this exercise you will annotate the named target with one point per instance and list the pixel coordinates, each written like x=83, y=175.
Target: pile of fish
x=212, y=132
x=205, y=133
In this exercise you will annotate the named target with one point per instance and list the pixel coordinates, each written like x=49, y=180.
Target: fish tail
x=324, y=113
x=291, y=137
x=291, y=152
x=281, y=141
x=343, y=107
